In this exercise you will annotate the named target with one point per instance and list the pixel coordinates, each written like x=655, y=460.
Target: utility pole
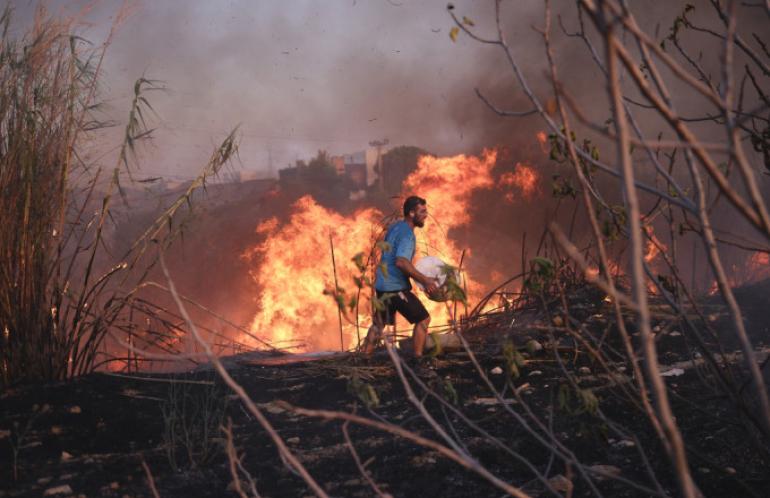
x=380, y=144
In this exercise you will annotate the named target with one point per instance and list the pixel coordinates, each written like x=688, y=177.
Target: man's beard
x=419, y=223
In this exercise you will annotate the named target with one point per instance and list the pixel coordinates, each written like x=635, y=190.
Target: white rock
x=535, y=373
x=604, y=471
x=64, y=489
x=584, y=371
x=534, y=346
x=496, y=371
x=65, y=456
x=448, y=342
x=674, y=372
x=492, y=401
x=272, y=408
x=624, y=443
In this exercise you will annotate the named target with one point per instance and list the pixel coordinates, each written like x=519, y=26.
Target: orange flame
x=759, y=264
x=292, y=267
x=653, y=246
x=756, y=268
x=525, y=178
x=542, y=139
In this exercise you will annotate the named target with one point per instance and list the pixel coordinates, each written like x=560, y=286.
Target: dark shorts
x=403, y=302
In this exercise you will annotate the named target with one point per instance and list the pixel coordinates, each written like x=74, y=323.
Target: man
x=393, y=286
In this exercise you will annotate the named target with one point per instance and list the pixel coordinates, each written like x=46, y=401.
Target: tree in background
x=397, y=164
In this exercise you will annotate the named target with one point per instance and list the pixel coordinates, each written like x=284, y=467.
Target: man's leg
x=419, y=335
x=372, y=338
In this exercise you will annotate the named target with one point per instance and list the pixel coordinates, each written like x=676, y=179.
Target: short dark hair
x=412, y=202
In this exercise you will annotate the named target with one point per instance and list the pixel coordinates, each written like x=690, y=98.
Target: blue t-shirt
x=400, y=237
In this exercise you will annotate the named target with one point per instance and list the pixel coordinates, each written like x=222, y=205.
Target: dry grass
x=61, y=292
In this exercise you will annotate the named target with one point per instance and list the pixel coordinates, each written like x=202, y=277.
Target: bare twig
x=150, y=479
x=283, y=450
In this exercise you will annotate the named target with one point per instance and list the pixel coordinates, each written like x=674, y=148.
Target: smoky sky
x=300, y=76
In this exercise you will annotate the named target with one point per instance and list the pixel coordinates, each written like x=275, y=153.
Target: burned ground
x=89, y=437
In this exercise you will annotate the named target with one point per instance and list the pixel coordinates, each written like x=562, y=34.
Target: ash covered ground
x=91, y=437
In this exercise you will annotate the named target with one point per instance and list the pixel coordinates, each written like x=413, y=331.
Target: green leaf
x=519, y=359
x=358, y=259
x=563, y=397
x=451, y=392
x=384, y=246
x=509, y=353
x=589, y=401
x=378, y=304
x=468, y=21
x=384, y=269
x=364, y=391
x=436, y=344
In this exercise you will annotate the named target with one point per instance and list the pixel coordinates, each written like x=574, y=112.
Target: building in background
x=361, y=168
x=358, y=172
x=339, y=164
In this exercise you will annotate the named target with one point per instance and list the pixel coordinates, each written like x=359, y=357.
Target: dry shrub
x=61, y=291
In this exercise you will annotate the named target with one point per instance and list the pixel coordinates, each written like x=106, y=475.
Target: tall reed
x=61, y=293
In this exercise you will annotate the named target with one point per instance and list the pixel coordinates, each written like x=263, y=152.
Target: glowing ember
x=759, y=264
x=592, y=272
x=654, y=246
x=713, y=289
x=756, y=268
x=525, y=178
x=292, y=267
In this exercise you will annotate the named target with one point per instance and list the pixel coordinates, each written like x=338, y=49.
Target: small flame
x=524, y=178
x=653, y=246
x=759, y=263
x=756, y=268
x=542, y=139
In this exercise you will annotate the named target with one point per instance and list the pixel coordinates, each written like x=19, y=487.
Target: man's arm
x=408, y=268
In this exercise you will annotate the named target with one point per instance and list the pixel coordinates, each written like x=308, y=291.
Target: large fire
x=293, y=266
